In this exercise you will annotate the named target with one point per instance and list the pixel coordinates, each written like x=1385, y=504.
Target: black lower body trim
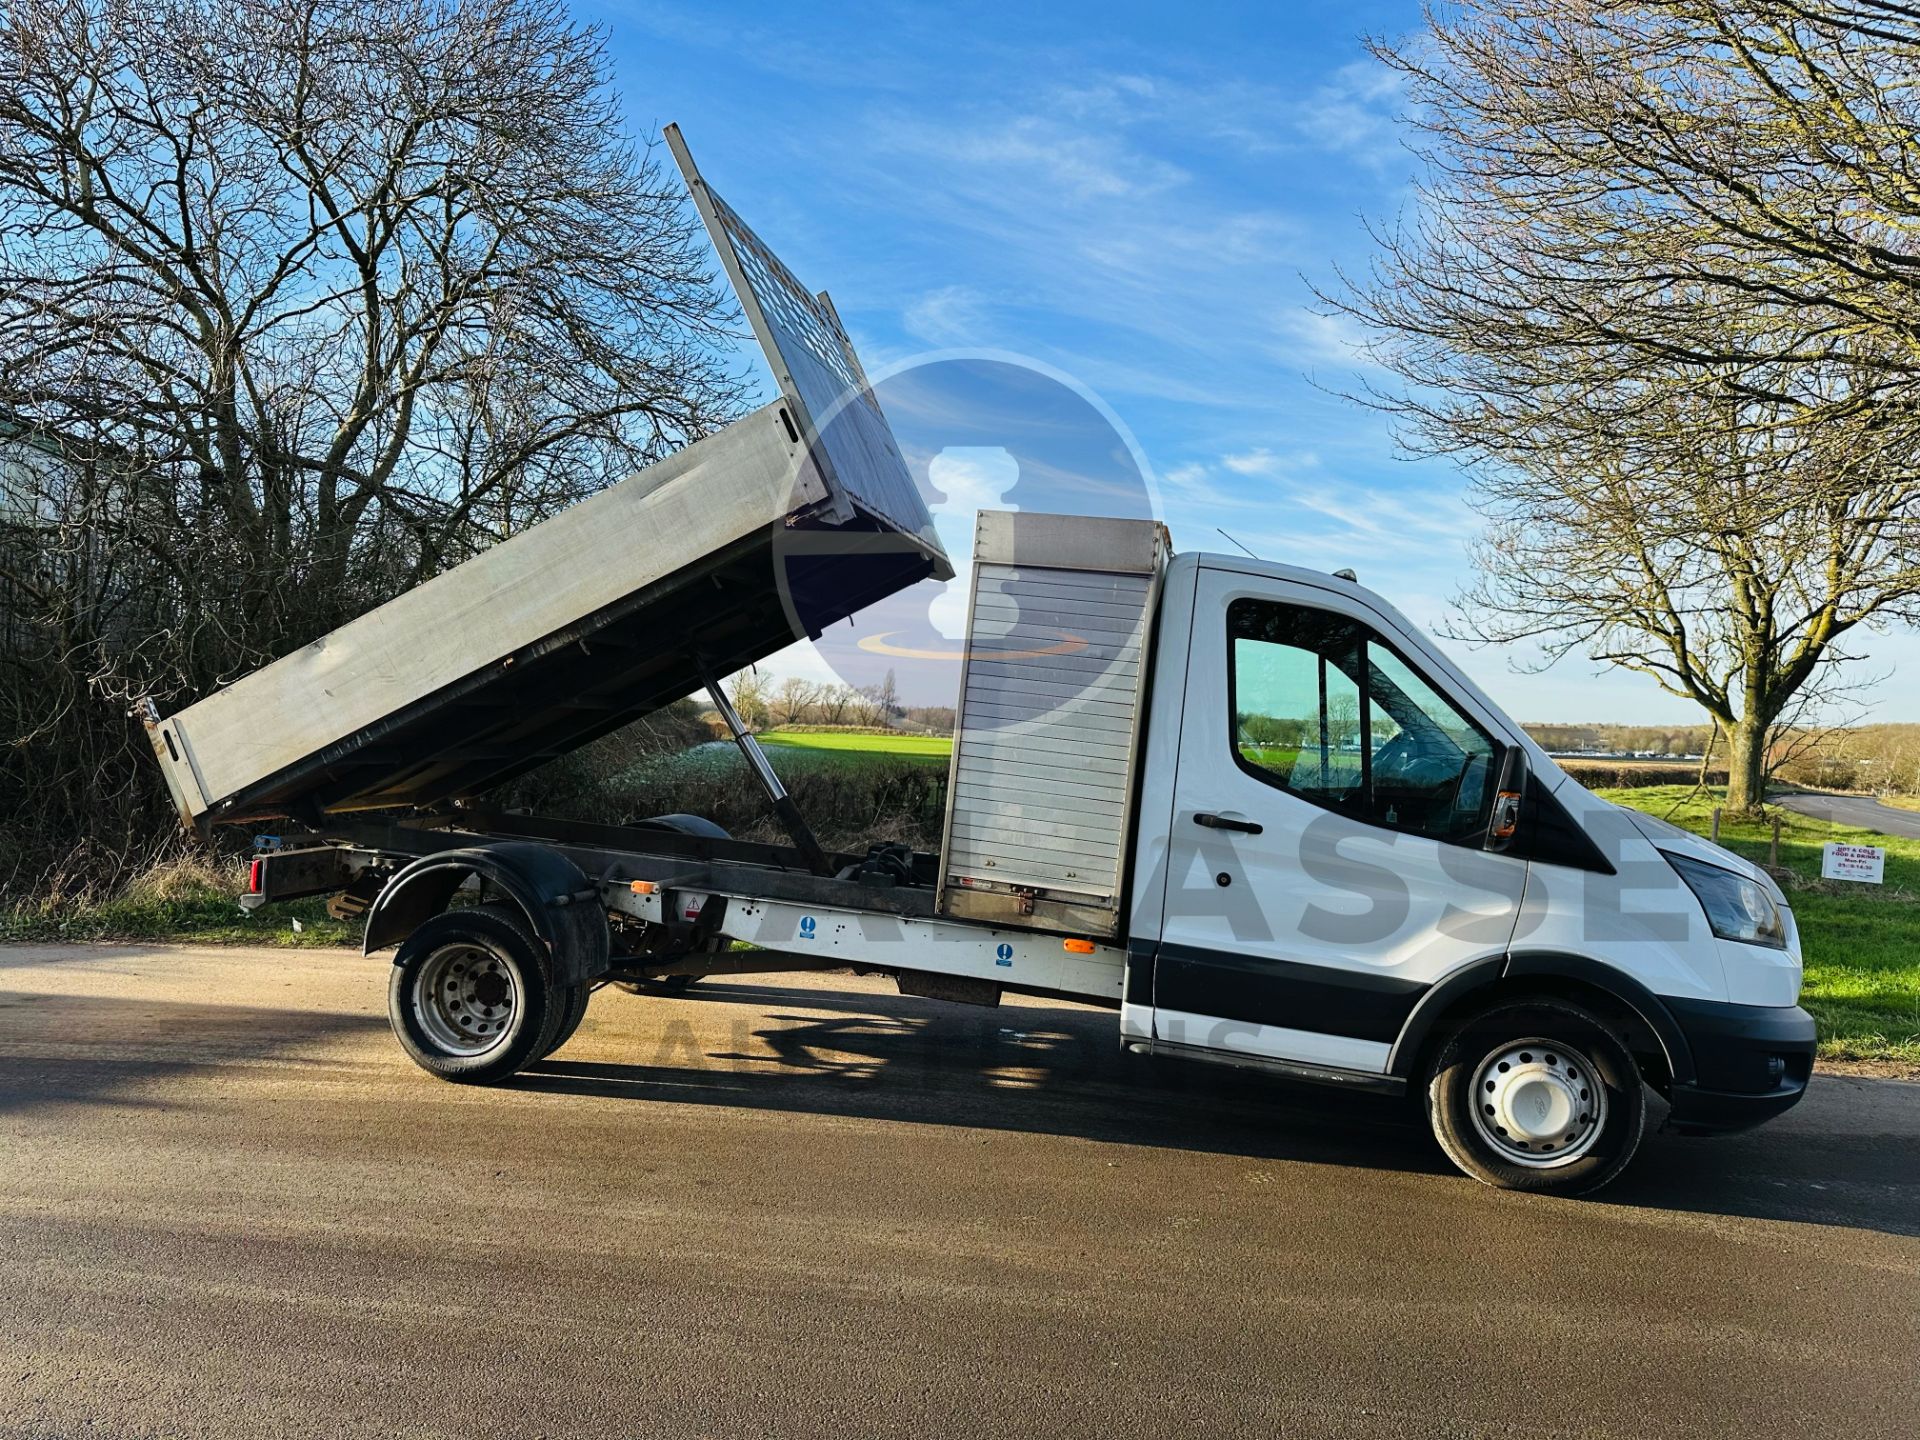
x=1715, y=1112
x=1356, y=1004
x=1137, y=989
x=1289, y=1069
x=1751, y=1062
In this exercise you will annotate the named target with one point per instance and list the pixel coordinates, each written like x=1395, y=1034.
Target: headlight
x=1737, y=908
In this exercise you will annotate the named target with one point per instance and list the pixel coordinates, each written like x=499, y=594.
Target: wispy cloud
x=1190, y=474
x=1136, y=201
x=1354, y=114
x=1327, y=521
x=1074, y=162
x=1094, y=228
x=1293, y=506
x=1313, y=337
x=1262, y=461
x=951, y=315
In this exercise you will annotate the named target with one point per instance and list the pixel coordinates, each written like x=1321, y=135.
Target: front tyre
x=472, y=997
x=1537, y=1095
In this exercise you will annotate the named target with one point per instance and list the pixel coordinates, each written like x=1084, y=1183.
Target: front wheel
x=1537, y=1095
x=472, y=998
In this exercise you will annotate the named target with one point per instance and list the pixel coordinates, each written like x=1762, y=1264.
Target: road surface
x=1859, y=810
x=229, y=1207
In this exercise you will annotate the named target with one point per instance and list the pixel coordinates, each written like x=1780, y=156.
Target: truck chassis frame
x=663, y=893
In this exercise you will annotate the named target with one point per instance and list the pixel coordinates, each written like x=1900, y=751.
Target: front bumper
x=1750, y=1063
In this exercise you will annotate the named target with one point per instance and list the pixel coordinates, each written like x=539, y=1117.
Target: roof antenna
x=1231, y=541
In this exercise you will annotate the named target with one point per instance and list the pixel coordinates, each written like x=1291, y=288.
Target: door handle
x=1226, y=822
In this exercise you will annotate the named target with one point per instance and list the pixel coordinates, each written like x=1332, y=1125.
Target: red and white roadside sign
x=1865, y=863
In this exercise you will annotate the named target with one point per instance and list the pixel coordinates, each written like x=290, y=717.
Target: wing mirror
x=1511, y=790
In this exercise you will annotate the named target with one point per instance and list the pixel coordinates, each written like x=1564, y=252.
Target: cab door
x=1327, y=862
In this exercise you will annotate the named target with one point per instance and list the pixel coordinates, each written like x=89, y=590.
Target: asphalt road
x=228, y=1206
x=1858, y=810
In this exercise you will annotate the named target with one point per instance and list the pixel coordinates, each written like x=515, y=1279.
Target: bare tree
x=1660, y=296
x=314, y=301
x=884, y=700
x=752, y=696
x=1812, y=730
x=791, y=700
x=835, y=702
x=935, y=719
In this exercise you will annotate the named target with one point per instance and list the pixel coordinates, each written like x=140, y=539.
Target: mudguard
x=1546, y=965
x=562, y=905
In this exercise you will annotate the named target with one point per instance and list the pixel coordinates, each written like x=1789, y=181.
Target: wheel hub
x=1539, y=1103
x=466, y=998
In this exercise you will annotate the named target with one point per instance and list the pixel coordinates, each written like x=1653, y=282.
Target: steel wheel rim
x=466, y=997
x=1538, y=1103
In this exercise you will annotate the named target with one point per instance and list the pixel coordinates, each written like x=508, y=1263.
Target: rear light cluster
x=256, y=874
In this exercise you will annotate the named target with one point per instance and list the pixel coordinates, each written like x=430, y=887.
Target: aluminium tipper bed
x=790, y=519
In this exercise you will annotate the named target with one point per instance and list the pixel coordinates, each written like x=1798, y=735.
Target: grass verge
x=1861, y=942
x=180, y=900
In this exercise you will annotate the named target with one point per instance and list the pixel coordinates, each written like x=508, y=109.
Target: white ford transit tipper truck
x=1246, y=805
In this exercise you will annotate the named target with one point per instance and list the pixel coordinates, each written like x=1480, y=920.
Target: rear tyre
x=572, y=1011
x=680, y=824
x=472, y=997
x=1539, y=1095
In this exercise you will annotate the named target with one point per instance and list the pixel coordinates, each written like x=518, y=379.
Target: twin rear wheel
x=472, y=996
x=1538, y=1095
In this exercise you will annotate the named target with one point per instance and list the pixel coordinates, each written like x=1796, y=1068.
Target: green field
x=1278, y=758
x=796, y=753
x=862, y=742
x=1861, y=942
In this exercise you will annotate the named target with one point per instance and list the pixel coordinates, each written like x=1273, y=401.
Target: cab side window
x=1297, y=706
x=1323, y=709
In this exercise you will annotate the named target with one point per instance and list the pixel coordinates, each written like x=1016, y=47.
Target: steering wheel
x=1395, y=756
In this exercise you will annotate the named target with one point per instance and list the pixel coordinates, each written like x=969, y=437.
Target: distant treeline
x=1865, y=757
x=1623, y=739
x=1871, y=757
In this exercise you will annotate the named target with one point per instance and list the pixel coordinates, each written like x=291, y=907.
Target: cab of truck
x=1351, y=865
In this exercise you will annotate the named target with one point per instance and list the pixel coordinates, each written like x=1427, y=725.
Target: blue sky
x=1138, y=196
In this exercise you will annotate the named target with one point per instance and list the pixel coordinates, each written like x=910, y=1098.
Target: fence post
x=1716, y=825
x=1773, y=850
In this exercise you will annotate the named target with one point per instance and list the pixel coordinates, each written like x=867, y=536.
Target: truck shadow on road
x=95, y=1049
x=1040, y=1069
x=1058, y=1070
